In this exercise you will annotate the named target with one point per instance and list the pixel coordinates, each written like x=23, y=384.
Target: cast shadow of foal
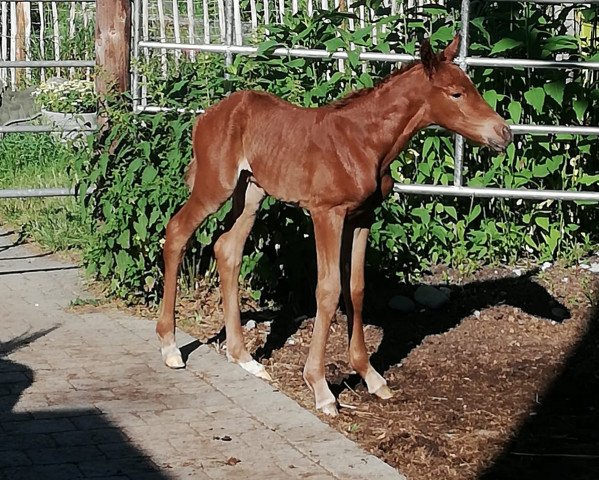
x=403, y=332
x=59, y=443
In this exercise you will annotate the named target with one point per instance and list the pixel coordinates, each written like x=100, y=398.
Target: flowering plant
x=71, y=96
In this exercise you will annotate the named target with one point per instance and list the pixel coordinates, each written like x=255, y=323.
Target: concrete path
x=85, y=395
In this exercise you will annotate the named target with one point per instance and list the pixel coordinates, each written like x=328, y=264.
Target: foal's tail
x=190, y=174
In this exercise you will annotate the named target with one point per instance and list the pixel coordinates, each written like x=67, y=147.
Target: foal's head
x=455, y=104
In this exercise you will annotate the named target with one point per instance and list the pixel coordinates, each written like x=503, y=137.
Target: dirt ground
x=497, y=384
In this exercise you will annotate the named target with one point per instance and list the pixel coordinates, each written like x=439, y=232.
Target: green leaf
x=536, y=98
x=491, y=97
x=148, y=175
x=555, y=90
x=353, y=56
x=543, y=222
x=580, y=107
x=451, y=211
x=123, y=260
x=479, y=23
x=473, y=215
x=266, y=47
x=540, y=171
x=515, y=110
x=587, y=179
x=334, y=44
x=422, y=214
x=123, y=239
x=365, y=79
x=505, y=44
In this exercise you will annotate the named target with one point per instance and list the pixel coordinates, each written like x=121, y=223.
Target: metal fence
x=231, y=43
x=34, y=31
x=31, y=31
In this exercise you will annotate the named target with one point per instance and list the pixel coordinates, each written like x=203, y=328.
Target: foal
x=333, y=161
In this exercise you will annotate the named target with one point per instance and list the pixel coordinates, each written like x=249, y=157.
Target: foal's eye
x=456, y=95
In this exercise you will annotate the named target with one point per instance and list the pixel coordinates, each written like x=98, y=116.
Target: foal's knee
x=223, y=251
x=327, y=296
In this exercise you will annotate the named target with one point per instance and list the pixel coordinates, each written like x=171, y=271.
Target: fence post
x=113, y=46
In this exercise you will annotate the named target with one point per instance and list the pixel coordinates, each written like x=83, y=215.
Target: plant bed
x=495, y=385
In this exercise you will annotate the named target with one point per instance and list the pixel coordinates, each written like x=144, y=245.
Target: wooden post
x=20, y=48
x=113, y=46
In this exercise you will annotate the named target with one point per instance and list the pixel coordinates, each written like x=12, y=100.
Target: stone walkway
x=85, y=395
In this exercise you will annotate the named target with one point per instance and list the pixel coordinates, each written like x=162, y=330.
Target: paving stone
x=100, y=437
x=87, y=396
x=43, y=472
x=61, y=455
x=14, y=458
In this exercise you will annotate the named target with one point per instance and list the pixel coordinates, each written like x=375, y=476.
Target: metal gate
x=229, y=21
x=9, y=63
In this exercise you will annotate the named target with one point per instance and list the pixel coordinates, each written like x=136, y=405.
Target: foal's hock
x=333, y=161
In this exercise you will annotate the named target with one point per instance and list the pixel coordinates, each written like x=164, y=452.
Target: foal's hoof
x=255, y=368
x=329, y=409
x=383, y=392
x=172, y=357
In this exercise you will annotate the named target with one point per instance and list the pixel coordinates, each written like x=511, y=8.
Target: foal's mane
x=356, y=94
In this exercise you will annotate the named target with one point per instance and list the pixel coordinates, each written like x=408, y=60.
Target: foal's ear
x=451, y=51
x=429, y=59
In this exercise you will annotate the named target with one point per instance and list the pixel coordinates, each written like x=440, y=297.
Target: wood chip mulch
x=495, y=385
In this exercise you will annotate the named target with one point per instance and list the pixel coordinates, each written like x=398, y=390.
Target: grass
x=40, y=161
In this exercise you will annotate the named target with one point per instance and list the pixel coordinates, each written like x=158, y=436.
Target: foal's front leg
x=328, y=227
x=355, y=240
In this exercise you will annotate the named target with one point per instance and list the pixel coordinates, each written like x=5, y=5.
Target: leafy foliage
x=140, y=164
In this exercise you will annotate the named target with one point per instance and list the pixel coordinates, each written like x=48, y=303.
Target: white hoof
x=172, y=356
x=383, y=392
x=376, y=384
x=254, y=367
x=329, y=409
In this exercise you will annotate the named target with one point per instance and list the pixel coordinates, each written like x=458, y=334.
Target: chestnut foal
x=333, y=161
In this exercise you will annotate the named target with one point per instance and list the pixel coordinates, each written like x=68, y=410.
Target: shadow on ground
x=561, y=438
x=403, y=332
x=63, y=443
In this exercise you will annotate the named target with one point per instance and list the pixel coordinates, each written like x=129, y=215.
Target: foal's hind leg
x=355, y=240
x=178, y=232
x=229, y=252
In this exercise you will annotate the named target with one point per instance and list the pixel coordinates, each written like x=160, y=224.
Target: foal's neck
x=392, y=114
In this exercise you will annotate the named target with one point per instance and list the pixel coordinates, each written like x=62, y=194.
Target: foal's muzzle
x=502, y=139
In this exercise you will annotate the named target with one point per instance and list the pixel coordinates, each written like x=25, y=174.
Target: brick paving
x=85, y=395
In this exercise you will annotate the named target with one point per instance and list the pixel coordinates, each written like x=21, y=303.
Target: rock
x=545, y=266
x=560, y=313
x=431, y=297
x=585, y=266
x=402, y=304
x=594, y=267
x=476, y=313
x=518, y=272
x=250, y=324
x=446, y=291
